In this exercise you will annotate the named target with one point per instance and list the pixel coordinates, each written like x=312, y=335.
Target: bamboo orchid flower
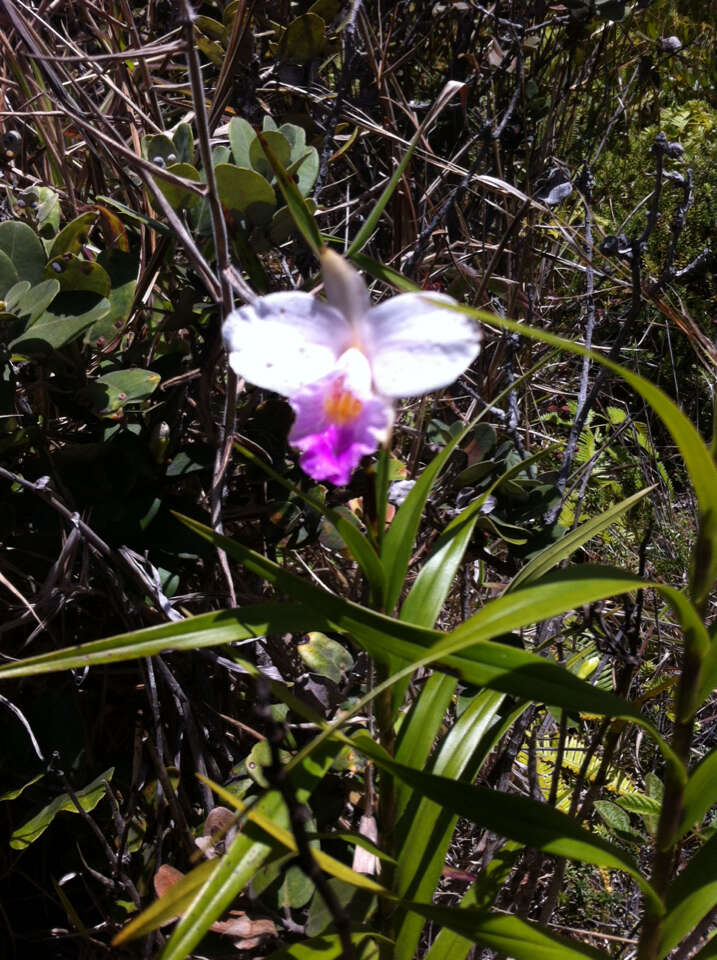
x=342, y=363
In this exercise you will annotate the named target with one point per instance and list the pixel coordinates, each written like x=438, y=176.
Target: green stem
x=386, y=791
x=382, y=470
x=668, y=830
x=702, y=578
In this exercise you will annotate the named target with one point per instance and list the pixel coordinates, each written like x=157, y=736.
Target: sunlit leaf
x=518, y=818
x=428, y=829
x=691, y=897
x=73, y=237
x=700, y=792
x=88, y=797
x=205, y=630
x=219, y=886
x=246, y=192
x=507, y=934
x=544, y=561
x=24, y=249
x=451, y=945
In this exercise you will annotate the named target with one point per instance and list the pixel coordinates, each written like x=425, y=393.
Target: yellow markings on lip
x=341, y=406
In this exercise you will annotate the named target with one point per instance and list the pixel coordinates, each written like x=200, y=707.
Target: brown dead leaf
x=242, y=927
x=165, y=878
x=248, y=933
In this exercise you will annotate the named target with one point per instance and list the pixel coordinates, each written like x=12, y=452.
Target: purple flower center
x=339, y=419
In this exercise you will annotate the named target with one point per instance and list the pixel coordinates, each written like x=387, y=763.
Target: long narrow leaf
x=432, y=585
x=420, y=728
x=364, y=234
x=175, y=901
x=691, y=897
x=517, y=818
x=344, y=614
x=450, y=945
x=427, y=835
x=483, y=663
x=215, y=884
x=700, y=793
x=399, y=540
x=206, y=630
x=381, y=272
x=268, y=825
x=552, y=555
x=708, y=680
x=422, y=606
x=508, y=935
x=300, y=213
x=398, y=543
x=236, y=868
x=695, y=453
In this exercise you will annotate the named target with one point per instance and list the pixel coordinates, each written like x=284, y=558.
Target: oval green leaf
x=76, y=275
x=88, y=798
x=73, y=236
x=109, y=394
x=279, y=147
x=241, y=137
x=8, y=274
x=304, y=39
x=178, y=197
x=69, y=317
x=24, y=248
x=245, y=192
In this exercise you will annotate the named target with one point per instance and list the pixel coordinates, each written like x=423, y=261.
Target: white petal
x=357, y=372
x=285, y=340
x=344, y=286
x=415, y=346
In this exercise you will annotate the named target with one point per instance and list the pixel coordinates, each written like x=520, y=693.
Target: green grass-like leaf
x=364, y=234
x=509, y=815
x=206, y=630
x=564, y=548
x=305, y=223
x=468, y=650
x=451, y=945
x=426, y=833
x=695, y=453
x=691, y=897
x=232, y=874
x=509, y=935
x=398, y=543
x=700, y=793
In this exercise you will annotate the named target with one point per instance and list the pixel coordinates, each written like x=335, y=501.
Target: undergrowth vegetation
x=462, y=705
